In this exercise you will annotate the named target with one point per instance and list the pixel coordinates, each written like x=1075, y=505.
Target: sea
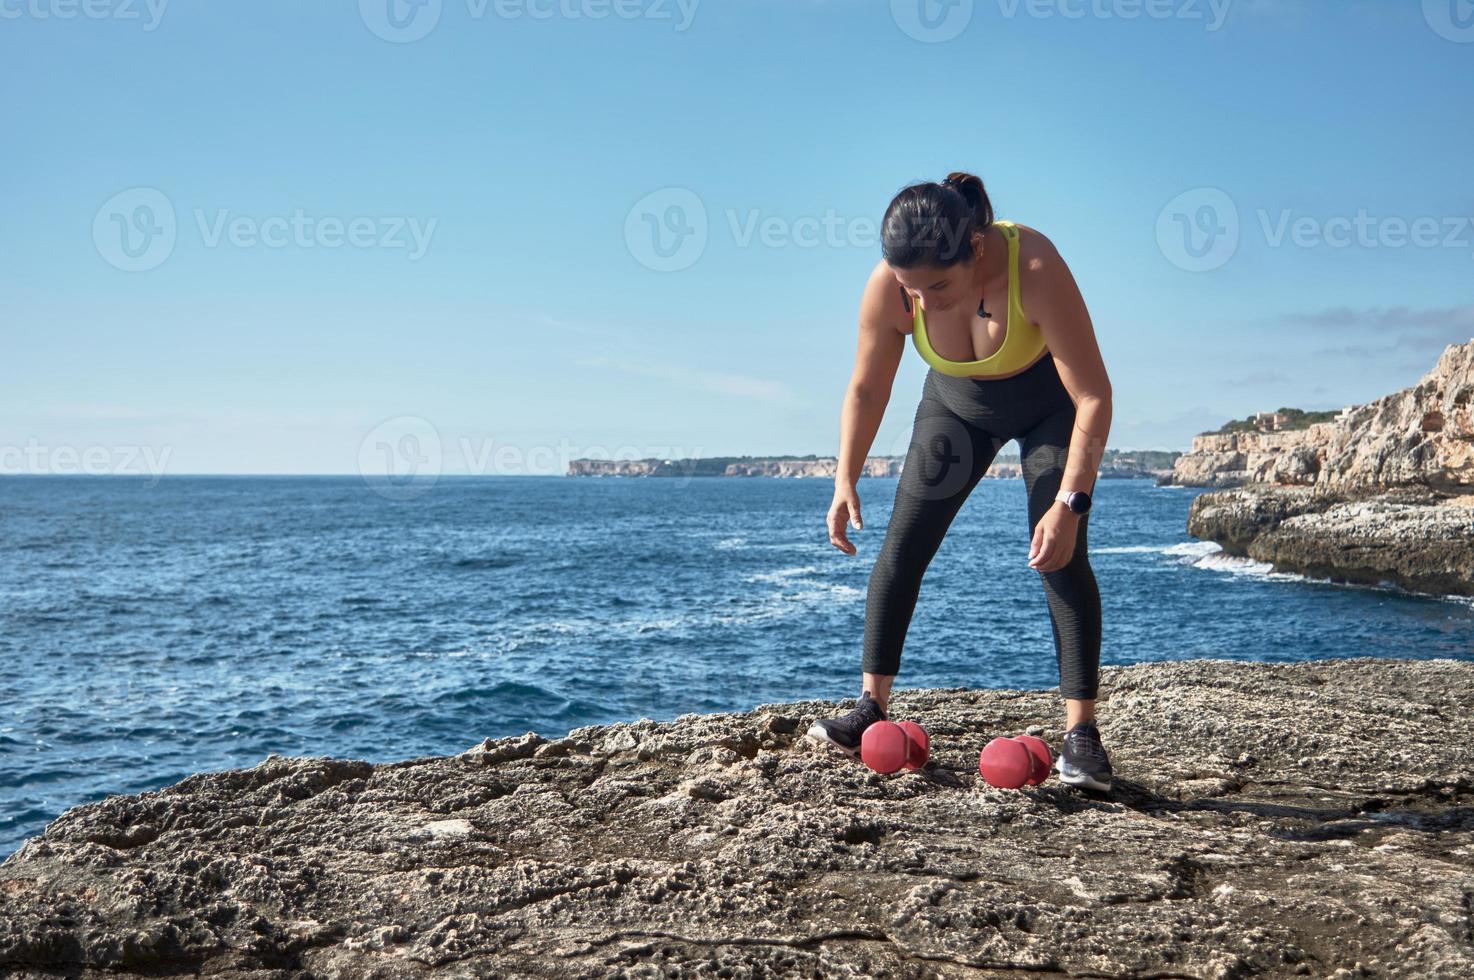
x=154, y=628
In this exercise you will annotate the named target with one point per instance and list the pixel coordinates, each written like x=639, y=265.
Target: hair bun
x=926, y=225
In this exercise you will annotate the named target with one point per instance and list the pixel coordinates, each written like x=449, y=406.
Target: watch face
x=1079, y=501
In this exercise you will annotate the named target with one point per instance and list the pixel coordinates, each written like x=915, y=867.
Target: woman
x=994, y=311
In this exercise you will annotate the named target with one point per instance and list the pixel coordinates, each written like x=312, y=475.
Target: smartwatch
x=1077, y=500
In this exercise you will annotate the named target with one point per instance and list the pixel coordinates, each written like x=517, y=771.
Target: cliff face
x=1423, y=435
x=1266, y=820
x=1236, y=458
x=1380, y=495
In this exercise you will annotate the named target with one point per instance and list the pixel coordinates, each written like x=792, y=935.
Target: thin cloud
x=1444, y=319
x=1412, y=336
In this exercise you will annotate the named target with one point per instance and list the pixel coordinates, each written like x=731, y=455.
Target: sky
x=490, y=237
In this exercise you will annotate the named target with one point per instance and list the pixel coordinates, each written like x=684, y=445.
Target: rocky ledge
x=1312, y=819
x=1409, y=537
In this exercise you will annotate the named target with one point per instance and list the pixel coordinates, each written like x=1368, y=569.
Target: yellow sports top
x=1023, y=341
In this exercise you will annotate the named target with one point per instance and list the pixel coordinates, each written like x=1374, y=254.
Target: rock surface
x=1417, y=540
x=1311, y=819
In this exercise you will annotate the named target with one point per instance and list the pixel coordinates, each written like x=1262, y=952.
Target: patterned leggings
x=960, y=425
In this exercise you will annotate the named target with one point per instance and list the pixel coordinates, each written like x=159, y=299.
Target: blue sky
x=281, y=237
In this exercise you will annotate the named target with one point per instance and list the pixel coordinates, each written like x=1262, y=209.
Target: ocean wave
x=801, y=596
x=516, y=692
x=793, y=547
x=782, y=574
x=1248, y=567
x=483, y=564
x=1191, y=551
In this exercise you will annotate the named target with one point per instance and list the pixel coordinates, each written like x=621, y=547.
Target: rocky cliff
x=1420, y=436
x=1278, y=820
x=1383, y=494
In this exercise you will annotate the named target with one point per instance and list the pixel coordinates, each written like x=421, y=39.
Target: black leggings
x=960, y=426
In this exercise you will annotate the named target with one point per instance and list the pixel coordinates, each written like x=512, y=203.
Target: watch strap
x=1064, y=497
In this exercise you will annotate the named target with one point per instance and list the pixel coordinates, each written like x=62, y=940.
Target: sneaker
x=1084, y=762
x=844, y=732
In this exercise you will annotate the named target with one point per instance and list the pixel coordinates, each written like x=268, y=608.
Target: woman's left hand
x=1054, y=539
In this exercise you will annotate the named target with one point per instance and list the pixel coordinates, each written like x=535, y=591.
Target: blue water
x=148, y=631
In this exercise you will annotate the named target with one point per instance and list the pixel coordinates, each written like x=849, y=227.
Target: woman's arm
x=1056, y=305
x=876, y=361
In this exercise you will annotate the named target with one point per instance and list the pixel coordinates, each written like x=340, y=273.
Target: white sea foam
x=1249, y=568
x=1209, y=556
x=742, y=544
x=782, y=574
x=1191, y=551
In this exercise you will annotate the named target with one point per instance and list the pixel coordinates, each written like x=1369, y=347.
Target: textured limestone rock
x=1410, y=538
x=1311, y=819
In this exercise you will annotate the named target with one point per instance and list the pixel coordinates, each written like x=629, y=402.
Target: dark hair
x=932, y=224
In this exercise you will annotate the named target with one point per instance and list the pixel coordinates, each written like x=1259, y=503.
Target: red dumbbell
x=888, y=747
x=1009, y=762
x=885, y=747
x=920, y=744
x=1005, y=763
x=1043, y=757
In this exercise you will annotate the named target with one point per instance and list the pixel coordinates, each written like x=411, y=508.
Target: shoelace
x=1085, y=741
x=861, y=714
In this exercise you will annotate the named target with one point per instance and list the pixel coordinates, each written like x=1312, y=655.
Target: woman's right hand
x=846, y=506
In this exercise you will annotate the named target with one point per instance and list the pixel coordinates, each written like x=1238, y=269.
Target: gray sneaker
x=845, y=731
x=1084, y=762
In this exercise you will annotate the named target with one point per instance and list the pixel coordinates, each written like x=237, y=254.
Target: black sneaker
x=844, y=732
x=1084, y=762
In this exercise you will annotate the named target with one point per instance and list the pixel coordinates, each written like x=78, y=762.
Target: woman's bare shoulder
x=884, y=303
x=1035, y=251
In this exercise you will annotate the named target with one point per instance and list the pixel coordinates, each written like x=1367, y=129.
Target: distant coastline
x=1115, y=464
